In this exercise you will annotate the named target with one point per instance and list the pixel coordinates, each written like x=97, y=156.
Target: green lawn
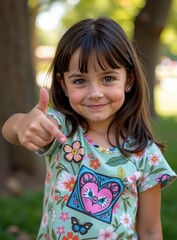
x=166, y=106
x=168, y=125
x=24, y=212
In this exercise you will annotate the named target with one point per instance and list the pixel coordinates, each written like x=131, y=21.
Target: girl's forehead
x=93, y=61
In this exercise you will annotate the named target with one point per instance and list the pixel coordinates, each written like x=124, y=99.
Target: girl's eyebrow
x=74, y=75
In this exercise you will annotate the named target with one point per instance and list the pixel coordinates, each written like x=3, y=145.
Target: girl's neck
x=98, y=133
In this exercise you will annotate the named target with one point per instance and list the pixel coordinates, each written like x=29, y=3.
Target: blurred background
x=29, y=32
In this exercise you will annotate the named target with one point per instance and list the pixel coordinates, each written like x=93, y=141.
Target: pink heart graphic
x=96, y=200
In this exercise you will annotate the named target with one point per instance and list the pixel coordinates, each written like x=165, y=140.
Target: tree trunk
x=17, y=85
x=149, y=24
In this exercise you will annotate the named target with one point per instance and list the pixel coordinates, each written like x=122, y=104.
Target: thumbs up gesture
x=35, y=129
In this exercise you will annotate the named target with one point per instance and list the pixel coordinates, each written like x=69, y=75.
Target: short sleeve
x=155, y=169
x=60, y=118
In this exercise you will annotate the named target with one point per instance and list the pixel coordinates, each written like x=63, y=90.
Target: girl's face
x=98, y=94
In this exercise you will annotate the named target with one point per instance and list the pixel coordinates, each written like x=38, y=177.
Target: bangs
x=105, y=54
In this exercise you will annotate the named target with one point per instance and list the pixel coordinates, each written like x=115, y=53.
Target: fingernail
x=62, y=139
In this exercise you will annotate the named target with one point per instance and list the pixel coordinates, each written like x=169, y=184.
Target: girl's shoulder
x=56, y=114
x=61, y=120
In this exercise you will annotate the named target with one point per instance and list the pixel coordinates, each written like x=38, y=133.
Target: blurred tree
x=142, y=20
x=17, y=85
x=149, y=24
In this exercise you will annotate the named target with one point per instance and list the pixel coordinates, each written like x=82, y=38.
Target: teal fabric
x=92, y=192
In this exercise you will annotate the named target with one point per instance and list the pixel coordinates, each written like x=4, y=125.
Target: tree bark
x=17, y=84
x=149, y=24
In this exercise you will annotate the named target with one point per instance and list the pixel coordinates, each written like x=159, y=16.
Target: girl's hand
x=35, y=129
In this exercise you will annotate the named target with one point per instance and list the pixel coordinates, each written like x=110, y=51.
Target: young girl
x=105, y=170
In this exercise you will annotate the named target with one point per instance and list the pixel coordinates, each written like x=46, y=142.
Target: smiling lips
x=96, y=106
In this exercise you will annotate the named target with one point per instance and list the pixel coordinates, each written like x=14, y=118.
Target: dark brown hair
x=111, y=45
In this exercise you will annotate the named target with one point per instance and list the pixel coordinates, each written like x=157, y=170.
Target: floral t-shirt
x=92, y=192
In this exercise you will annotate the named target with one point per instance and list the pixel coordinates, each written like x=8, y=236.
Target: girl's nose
x=95, y=93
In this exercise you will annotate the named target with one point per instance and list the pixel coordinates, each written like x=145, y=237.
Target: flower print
x=84, y=158
x=116, y=206
x=60, y=230
x=144, y=178
x=134, y=178
x=66, y=182
x=70, y=237
x=57, y=158
x=163, y=178
x=57, y=197
x=74, y=152
x=90, y=155
x=133, y=192
x=48, y=176
x=107, y=234
x=65, y=197
x=64, y=216
x=45, y=220
x=94, y=163
x=154, y=159
x=53, y=215
x=52, y=192
x=47, y=236
x=138, y=156
x=124, y=191
x=126, y=220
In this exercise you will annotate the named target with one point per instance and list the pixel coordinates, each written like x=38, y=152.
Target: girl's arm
x=35, y=129
x=148, y=215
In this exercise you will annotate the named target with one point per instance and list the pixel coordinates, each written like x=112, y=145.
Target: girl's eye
x=108, y=79
x=79, y=82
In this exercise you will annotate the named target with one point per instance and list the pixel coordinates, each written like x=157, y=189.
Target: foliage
x=168, y=36
x=122, y=11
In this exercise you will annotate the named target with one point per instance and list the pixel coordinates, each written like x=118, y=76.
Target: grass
x=166, y=106
x=168, y=126
x=25, y=211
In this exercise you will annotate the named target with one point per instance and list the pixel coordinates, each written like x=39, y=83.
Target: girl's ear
x=62, y=82
x=130, y=81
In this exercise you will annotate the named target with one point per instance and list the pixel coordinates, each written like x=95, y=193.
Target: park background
x=29, y=32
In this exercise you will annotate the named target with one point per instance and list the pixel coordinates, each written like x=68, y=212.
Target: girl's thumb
x=43, y=100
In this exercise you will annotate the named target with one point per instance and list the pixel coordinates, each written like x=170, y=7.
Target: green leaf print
x=62, y=205
x=121, y=235
x=130, y=237
x=116, y=222
x=50, y=207
x=158, y=170
x=121, y=173
x=152, y=168
x=141, y=164
x=116, y=161
x=54, y=237
x=59, y=201
x=125, y=206
x=61, y=168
